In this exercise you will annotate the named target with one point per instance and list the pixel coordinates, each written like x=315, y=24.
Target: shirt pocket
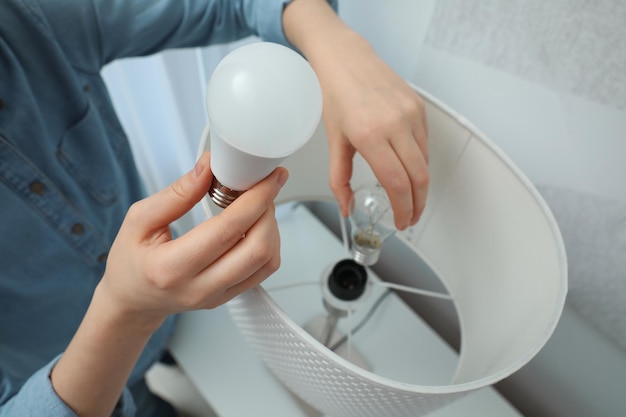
x=41, y=218
x=91, y=152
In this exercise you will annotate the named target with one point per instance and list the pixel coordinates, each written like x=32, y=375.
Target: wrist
x=315, y=29
x=119, y=315
x=91, y=374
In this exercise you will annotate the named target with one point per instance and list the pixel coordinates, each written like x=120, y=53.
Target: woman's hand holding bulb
x=367, y=108
x=148, y=271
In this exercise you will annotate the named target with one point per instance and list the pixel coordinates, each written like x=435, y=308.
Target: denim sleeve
x=37, y=398
x=96, y=32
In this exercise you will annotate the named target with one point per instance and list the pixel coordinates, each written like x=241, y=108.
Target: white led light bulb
x=264, y=102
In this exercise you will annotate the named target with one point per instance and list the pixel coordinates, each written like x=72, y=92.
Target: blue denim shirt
x=67, y=175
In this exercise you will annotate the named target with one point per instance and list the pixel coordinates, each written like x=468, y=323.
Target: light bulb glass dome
x=264, y=102
x=371, y=219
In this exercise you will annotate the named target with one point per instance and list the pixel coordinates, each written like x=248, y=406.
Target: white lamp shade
x=486, y=233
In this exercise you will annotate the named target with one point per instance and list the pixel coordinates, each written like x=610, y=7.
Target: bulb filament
x=368, y=238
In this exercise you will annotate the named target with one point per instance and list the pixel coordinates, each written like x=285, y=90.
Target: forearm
x=92, y=373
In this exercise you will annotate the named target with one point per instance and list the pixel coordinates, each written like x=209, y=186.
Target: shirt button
x=86, y=88
x=78, y=229
x=37, y=187
x=103, y=257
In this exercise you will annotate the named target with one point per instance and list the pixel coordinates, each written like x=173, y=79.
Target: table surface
x=235, y=382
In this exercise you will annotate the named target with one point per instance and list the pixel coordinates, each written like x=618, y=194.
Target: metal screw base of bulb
x=367, y=257
x=221, y=195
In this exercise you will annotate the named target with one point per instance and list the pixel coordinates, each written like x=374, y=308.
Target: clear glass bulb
x=371, y=220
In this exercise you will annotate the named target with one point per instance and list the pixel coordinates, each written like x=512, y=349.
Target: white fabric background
x=570, y=46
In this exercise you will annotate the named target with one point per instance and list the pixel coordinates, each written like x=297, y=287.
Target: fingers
x=410, y=144
x=206, y=266
x=207, y=242
x=171, y=203
x=420, y=182
x=341, y=154
x=392, y=175
x=420, y=129
x=400, y=166
x=408, y=200
x=250, y=262
x=394, y=142
x=420, y=177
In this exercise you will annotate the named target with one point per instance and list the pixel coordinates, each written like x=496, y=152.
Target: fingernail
x=198, y=168
x=282, y=178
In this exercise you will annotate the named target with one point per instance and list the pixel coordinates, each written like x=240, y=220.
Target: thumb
x=341, y=155
x=175, y=200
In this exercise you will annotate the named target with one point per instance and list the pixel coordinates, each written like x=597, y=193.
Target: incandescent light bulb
x=371, y=220
x=264, y=102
